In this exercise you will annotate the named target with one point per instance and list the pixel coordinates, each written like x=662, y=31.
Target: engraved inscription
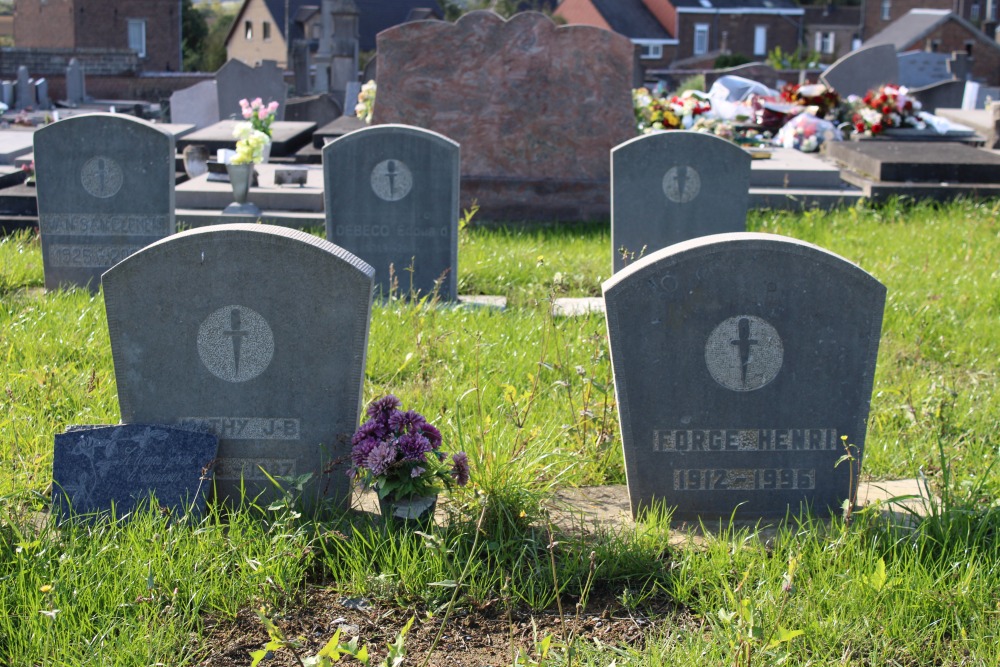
x=744, y=479
x=105, y=225
x=385, y=231
x=235, y=343
x=746, y=440
x=246, y=428
x=744, y=353
x=391, y=180
x=102, y=177
x=90, y=256
x=251, y=469
x=681, y=184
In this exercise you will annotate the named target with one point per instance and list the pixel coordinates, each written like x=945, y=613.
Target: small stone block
x=290, y=177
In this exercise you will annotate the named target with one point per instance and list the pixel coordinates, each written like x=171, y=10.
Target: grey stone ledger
x=391, y=195
x=76, y=90
x=196, y=105
x=42, y=94
x=740, y=361
x=24, y=91
x=917, y=161
x=255, y=333
x=97, y=467
x=7, y=93
x=237, y=81
x=669, y=187
x=863, y=70
x=320, y=109
x=105, y=187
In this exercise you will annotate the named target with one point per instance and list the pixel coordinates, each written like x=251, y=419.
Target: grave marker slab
x=95, y=467
x=739, y=361
x=24, y=90
x=525, y=155
x=196, y=105
x=391, y=194
x=669, y=187
x=863, y=70
x=105, y=190
x=255, y=333
x=236, y=81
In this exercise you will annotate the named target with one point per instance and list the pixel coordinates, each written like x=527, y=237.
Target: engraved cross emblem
x=743, y=343
x=744, y=353
x=235, y=343
x=236, y=335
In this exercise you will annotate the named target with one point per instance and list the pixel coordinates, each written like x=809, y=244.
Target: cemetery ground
x=529, y=396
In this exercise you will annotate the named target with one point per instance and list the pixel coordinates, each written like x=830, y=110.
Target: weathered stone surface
x=105, y=190
x=863, y=70
x=918, y=162
x=535, y=107
x=95, y=467
x=319, y=109
x=255, y=333
x=943, y=94
x=236, y=81
x=673, y=186
x=922, y=68
x=740, y=360
x=196, y=105
x=391, y=195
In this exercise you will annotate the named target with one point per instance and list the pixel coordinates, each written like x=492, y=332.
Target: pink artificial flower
x=262, y=113
x=257, y=102
x=272, y=107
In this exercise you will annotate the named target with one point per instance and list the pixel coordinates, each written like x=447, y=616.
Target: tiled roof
x=784, y=6
x=631, y=18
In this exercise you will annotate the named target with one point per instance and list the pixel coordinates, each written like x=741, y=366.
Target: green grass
x=530, y=397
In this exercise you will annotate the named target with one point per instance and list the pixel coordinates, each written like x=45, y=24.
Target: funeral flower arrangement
x=398, y=453
x=889, y=106
x=819, y=100
x=653, y=113
x=366, y=102
x=254, y=134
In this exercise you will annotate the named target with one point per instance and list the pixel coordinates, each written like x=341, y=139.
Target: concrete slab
x=200, y=193
x=572, y=307
x=797, y=199
x=286, y=137
x=14, y=144
x=789, y=168
x=484, y=301
x=917, y=162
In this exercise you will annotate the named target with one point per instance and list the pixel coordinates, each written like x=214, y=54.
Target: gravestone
x=320, y=109
x=76, y=89
x=917, y=161
x=863, y=70
x=255, y=333
x=944, y=94
x=42, y=93
x=105, y=185
x=24, y=91
x=96, y=467
x=351, y=97
x=7, y=93
x=740, y=361
x=669, y=187
x=237, y=81
x=922, y=68
x=535, y=107
x=391, y=195
x=196, y=105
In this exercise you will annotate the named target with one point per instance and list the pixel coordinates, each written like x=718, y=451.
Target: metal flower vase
x=240, y=177
x=415, y=511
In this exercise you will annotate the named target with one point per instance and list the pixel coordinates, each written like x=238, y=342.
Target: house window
x=886, y=7
x=974, y=12
x=248, y=29
x=700, y=38
x=825, y=42
x=266, y=31
x=991, y=9
x=760, y=40
x=137, y=36
x=650, y=51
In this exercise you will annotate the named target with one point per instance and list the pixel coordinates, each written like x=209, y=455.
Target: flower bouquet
x=259, y=115
x=653, y=114
x=887, y=107
x=366, y=102
x=821, y=101
x=398, y=453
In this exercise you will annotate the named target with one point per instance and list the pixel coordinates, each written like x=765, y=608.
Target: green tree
x=194, y=32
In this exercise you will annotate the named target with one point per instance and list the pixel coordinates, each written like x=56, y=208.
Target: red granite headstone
x=536, y=107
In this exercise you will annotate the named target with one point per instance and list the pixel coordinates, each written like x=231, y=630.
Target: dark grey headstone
x=319, y=109
x=7, y=93
x=863, y=70
x=42, y=93
x=76, y=91
x=105, y=190
x=669, y=187
x=237, y=81
x=917, y=161
x=24, y=91
x=255, y=333
x=739, y=361
x=922, y=68
x=942, y=95
x=96, y=467
x=391, y=194
x=196, y=105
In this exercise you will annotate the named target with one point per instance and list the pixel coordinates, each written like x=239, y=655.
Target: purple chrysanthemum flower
x=413, y=447
x=370, y=429
x=380, y=458
x=361, y=450
x=430, y=432
x=383, y=408
x=406, y=422
x=416, y=471
x=460, y=471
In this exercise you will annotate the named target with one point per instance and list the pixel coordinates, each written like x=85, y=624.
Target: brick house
x=657, y=48
x=832, y=30
x=878, y=14
x=150, y=28
x=702, y=29
x=944, y=32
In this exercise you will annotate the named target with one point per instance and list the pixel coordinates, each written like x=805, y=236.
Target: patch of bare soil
x=473, y=637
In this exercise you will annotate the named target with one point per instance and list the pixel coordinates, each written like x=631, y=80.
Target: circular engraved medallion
x=235, y=343
x=681, y=184
x=744, y=353
x=102, y=177
x=391, y=180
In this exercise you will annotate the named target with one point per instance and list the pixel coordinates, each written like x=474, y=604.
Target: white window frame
x=826, y=42
x=650, y=51
x=760, y=40
x=974, y=11
x=885, y=9
x=701, y=35
x=137, y=36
